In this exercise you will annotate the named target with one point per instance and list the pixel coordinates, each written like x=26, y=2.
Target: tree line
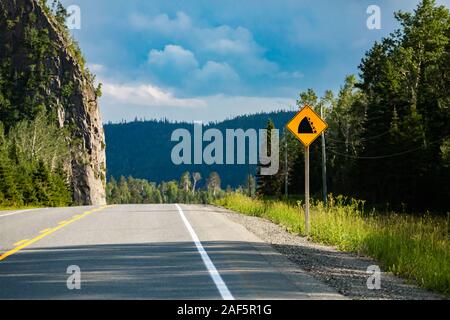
x=141, y=191
x=389, y=129
x=33, y=165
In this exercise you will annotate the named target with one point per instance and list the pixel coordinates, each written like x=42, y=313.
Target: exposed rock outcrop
x=76, y=109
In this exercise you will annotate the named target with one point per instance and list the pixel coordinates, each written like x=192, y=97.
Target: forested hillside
x=51, y=135
x=143, y=149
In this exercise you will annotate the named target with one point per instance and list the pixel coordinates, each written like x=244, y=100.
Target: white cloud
x=179, y=66
x=225, y=106
x=214, y=71
x=127, y=101
x=162, y=23
x=146, y=95
x=224, y=44
x=225, y=40
x=173, y=56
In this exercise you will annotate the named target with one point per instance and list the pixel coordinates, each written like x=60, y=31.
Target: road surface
x=143, y=252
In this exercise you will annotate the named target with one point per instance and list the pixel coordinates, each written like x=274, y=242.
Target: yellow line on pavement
x=20, y=242
x=45, y=230
x=49, y=232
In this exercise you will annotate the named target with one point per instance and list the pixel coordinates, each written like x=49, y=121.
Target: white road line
x=218, y=281
x=15, y=212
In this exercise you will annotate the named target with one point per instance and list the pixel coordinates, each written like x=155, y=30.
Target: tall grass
x=416, y=248
x=10, y=208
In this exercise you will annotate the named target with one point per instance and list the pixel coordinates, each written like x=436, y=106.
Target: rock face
x=77, y=111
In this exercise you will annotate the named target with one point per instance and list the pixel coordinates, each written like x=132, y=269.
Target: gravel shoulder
x=345, y=272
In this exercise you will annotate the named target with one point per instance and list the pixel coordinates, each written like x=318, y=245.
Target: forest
x=141, y=191
x=32, y=159
x=388, y=140
x=129, y=149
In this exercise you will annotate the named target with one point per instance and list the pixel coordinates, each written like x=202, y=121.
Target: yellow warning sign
x=307, y=126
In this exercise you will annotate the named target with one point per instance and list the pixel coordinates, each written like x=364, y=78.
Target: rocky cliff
x=66, y=89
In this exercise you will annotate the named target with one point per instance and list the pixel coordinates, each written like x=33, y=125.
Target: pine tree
x=268, y=185
x=113, y=191
x=42, y=184
x=8, y=188
x=123, y=191
x=24, y=177
x=60, y=192
x=405, y=82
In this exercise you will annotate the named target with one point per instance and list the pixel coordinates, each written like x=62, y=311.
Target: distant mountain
x=142, y=149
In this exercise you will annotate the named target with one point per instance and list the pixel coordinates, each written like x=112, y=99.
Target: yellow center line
x=45, y=231
x=20, y=242
x=62, y=222
x=50, y=231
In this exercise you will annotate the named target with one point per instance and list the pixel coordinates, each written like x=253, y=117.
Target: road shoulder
x=252, y=268
x=345, y=272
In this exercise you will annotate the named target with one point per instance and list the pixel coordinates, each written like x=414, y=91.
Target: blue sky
x=212, y=59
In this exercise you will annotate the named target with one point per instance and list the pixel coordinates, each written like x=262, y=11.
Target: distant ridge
x=142, y=149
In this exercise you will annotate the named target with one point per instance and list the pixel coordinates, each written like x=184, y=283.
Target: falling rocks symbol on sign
x=306, y=126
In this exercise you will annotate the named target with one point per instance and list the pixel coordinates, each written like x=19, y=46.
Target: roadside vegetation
x=414, y=247
x=188, y=189
x=33, y=159
x=388, y=140
x=2, y=208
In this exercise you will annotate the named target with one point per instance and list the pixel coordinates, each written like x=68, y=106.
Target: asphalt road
x=143, y=252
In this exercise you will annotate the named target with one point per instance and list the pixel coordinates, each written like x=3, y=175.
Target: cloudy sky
x=212, y=59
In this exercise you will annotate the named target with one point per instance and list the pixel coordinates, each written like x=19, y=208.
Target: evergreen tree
x=24, y=178
x=123, y=191
x=268, y=185
x=346, y=119
x=112, y=191
x=8, y=187
x=42, y=184
x=61, y=195
x=405, y=79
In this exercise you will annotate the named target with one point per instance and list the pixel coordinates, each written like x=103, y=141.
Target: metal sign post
x=324, y=165
x=307, y=223
x=307, y=126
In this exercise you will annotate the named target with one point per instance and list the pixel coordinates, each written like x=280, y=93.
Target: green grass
x=416, y=248
x=9, y=208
